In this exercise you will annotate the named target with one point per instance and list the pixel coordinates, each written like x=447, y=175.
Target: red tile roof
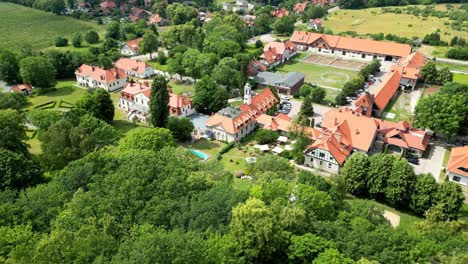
x=100, y=75
x=155, y=19
x=355, y=44
x=255, y=67
x=365, y=100
x=410, y=66
x=106, y=4
x=280, y=13
x=401, y=134
x=362, y=130
x=133, y=88
x=176, y=102
x=21, y=88
x=259, y=105
x=458, y=160
x=299, y=7
x=127, y=64
x=280, y=122
x=133, y=44
x=387, y=89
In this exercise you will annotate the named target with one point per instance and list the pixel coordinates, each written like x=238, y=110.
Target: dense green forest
x=143, y=200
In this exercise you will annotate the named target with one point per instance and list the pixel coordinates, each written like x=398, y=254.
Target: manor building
x=351, y=48
x=95, y=77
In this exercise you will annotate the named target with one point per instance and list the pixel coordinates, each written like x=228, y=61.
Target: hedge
x=47, y=105
x=65, y=104
x=226, y=148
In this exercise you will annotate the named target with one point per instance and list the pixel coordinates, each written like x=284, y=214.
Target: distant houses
x=96, y=77
x=131, y=48
x=157, y=20
x=288, y=83
x=135, y=68
x=314, y=23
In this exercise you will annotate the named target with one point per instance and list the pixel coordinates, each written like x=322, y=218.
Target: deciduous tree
x=99, y=104
x=209, y=97
x=9, y=67
x=354, y=172
x=17, y=170
x=92, y=37
x=424, y=193
x=149, y=43
x=12, y=130
x=153, y=139
x=181, y=128
x=37, y=71
x=400, y=183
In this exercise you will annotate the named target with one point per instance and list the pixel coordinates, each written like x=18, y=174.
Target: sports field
x=319, y=74
x=371, y=21
x=24, y=25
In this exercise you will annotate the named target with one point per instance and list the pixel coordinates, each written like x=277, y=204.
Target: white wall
x=320, y=164
x=463, y=179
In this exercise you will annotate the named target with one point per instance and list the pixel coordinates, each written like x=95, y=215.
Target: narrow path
x=452, y=61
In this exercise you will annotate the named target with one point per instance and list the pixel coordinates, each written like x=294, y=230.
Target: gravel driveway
x=433, y=164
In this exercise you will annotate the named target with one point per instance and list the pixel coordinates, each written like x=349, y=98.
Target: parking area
x=433, y=163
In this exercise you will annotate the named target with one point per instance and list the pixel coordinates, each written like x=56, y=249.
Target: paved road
x=433, y=164
x=264, y=38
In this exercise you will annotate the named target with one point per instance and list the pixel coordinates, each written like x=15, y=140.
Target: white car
x=284, y=97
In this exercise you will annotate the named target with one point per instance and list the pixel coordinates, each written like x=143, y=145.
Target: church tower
x=247, y=94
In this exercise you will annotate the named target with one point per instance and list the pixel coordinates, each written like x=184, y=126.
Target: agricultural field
x=24, y=25
x=372, y=20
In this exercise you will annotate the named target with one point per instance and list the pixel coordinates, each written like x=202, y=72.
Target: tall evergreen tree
x=159, y=102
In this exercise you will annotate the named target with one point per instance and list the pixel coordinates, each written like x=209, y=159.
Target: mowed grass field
x=371, y=20
x=24, y=25
x=321, y=75
x=460, y=78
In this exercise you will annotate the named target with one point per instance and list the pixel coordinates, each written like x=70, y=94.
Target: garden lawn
x=155, y=65
x=24, y=25
x=313, y=73
x=121, y=123
x=372, y=20
x=400, y=106
x=460, y=78
x=179, y=88
x=210, y=147
x=34, y=145
x=407, y=221
x=66, y=91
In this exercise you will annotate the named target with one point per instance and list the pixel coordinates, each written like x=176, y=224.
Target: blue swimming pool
x=199, y=154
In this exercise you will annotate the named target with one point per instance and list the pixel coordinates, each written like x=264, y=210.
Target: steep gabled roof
x=334, y=143
x=21, y=87
x=458, y=161
x=387, y=89
x=300, y=7
x=127, y=64
x=280, y=122
x=402, y=134
x=133, y=44
x=410, y=66
x=100, y=75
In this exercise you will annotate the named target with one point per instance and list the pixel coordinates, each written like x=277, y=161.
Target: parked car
x=284, y=97
x=413, y=160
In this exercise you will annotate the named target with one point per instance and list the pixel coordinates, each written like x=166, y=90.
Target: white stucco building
x=96, y=77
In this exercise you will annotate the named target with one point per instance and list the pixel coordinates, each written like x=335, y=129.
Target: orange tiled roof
x=101, y=75
x=334, y=142
x=280, y=13
x=132, y=89
x=106, y=4
x=280, y=122
x=127, y=64
x=21, y=87
x=387, y=89
x=365, y=100
x=248, y=113
x=280, y=47
x=410, y=66
x=361, y=130
x=133, y=44
x=299, y=7
x=255, y=67
x=402, y=134
x=355, y=44
x=270, y=56
x=178, y=101
x=156, y=18
x=458, y=159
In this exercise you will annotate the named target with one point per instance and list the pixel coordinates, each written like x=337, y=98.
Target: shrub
x=162, y=57
x=226, y=148
x=92, y=37
x=61, y=42
x=258, y=44
x=264, y=136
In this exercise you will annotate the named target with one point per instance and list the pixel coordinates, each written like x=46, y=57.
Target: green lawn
x=66, y=91
x=180, y=88
x=407, y=221
x=155, y=65
x=400, y=106
x=372, y=20
x=34, y=145
x=452, y=66
x=210, y=147
x=24, y=25
x=461, y=78
x=314, y=73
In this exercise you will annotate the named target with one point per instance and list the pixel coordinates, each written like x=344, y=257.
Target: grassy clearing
x=372, y=20
x=432, y=51
x=400, y=106
x=66, y=91
x=407, y=221
x=210, y=147
x=34, y=145
x=452, y=66
x=180, y=88
x=460, y=78
x=155, y=65
x=313, y=73
x=24, y=25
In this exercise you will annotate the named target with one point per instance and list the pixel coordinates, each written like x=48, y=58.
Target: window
x=321, y=163
x=344, y=52
x=321, y=154
x=363, y=56
x=329, y=165
x=456, y=179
